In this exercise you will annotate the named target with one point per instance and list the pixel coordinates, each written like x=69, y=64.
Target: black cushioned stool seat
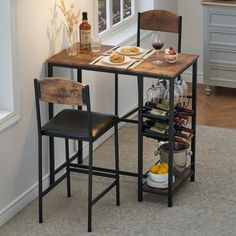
x=74, y=123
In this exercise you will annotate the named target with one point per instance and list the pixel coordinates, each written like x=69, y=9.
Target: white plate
x=107, y=61
x=154, y=184
x=119, y=50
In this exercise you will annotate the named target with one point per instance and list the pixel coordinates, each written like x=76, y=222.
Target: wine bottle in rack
x=181, y=127
x=184, y=110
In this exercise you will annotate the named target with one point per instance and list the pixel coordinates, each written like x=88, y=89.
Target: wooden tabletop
x=146, y=68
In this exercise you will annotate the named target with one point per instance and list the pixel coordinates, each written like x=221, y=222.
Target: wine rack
x=177, y=123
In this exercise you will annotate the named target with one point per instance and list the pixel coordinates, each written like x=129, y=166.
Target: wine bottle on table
x=85, y=33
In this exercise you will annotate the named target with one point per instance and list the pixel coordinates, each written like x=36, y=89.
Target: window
x=112, y=13
x=8, y=87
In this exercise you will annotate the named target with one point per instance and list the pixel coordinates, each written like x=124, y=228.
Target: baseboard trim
x=21, y=202
x=32, y=192
x=188, y=77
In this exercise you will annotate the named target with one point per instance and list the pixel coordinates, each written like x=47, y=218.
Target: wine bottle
x=183, y=110
x=163, y=128
x=180, y=127
x=85, y=33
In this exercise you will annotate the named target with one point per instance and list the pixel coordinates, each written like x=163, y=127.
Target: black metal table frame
x=140, y=78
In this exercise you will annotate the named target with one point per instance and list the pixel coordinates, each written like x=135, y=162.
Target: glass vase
x=71, y=43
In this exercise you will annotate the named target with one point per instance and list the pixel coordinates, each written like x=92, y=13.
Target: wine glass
x=157, y=40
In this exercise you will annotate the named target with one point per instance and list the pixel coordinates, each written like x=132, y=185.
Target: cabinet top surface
x=226, y=3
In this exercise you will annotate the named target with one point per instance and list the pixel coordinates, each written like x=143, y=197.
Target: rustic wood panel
x=61, y=91
x=166, y=69
x=146, y=68
x=159, y=20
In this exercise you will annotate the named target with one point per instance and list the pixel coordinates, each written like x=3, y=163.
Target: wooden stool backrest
x=61, y=91
x=159, y=20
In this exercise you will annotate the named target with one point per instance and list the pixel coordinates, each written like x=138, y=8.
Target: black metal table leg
x=51, y=140
x=80, y=143
x=194, y=107
x=116, y=94
x=140, y=139
x=171, y=142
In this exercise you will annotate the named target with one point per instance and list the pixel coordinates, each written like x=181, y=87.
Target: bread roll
x=117, y=58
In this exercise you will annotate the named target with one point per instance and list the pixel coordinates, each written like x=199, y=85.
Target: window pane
x=102, y=16
x=127, y=8
x=116, y=11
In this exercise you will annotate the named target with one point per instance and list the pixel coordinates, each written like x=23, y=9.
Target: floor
x=218, y=109
x=206, y=207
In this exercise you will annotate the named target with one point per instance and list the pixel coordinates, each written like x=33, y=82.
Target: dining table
x=138, y=68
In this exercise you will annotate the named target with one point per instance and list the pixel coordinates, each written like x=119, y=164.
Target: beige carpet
x=206, y=207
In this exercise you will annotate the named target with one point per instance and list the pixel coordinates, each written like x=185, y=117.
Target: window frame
x=113, y=29
x=11, y=114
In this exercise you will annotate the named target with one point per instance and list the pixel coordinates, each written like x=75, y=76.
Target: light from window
x=102, y=15
x=116, y=18
x=113, y=12
x=127, y=8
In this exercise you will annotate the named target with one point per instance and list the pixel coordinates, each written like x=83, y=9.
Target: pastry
x=134, y=50
x=125, y=50
x=117, y=58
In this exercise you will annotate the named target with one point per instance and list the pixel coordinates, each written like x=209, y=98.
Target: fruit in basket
x=164, y=165
x=162, y=170
x=154, y=169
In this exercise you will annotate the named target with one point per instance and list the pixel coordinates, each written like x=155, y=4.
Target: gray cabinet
x=219, y=47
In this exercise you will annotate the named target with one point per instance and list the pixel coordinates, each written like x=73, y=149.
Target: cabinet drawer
x=222, y=56
x=222, y=17
x=222, y=38
x=222, y=76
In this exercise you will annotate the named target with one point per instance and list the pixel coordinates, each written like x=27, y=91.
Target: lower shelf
x=179, y=180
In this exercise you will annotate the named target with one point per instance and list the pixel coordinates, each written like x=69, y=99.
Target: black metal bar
x=80, y=143
x=67, y=167
x=104, y=170
x=128, y=121
x=116, y=140
x=140, y=139
x=138, y=30
x=180, y=34
x=90, y=187
x=40, y=187
x=51, y=139
x=194, y=108
x=179, y=38
x=171, y=141
x=64, y=164
x=97, y=173
x=116, y=94
x=115, y=70
x=54, y=184
x=99, y=196
x=130, y=113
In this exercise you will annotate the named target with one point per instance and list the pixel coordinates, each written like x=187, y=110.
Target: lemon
x=154, y=168
x=164, y=165
x=162, y=170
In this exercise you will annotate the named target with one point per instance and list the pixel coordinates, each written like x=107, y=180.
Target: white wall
x=192, y=37
x=18, y=143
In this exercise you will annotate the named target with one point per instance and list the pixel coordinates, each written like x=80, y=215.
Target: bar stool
x=83, y=125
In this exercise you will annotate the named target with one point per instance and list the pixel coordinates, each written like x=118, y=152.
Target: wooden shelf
x=179, y=180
